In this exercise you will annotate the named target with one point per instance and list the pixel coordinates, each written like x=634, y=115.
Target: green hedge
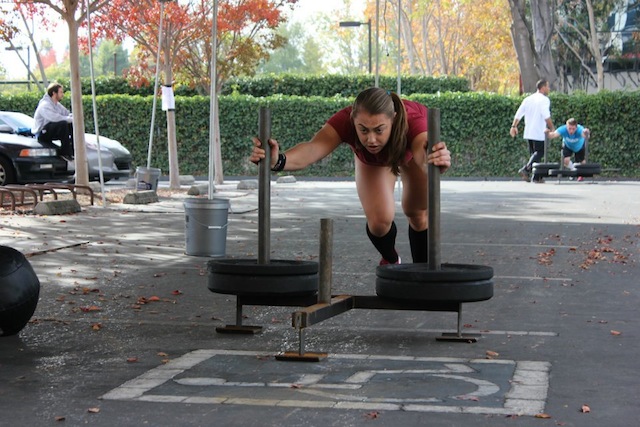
x=338, y=85
x=287, y=84
x=474, y=125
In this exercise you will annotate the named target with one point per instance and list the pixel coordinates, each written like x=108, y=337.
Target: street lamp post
x=357, y=24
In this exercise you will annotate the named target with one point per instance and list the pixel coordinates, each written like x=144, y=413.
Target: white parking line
x=527, y=394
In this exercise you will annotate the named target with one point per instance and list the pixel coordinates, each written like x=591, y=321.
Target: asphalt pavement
x=124, y=333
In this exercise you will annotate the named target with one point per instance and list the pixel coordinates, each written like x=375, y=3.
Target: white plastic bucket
x=147, y=178
x=206, y=223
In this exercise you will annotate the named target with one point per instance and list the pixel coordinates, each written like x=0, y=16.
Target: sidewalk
x=124, y=333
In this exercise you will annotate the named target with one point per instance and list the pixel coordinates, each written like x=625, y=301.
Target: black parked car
x=23, y=159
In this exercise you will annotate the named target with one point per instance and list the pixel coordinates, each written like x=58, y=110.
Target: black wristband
x=282, y=159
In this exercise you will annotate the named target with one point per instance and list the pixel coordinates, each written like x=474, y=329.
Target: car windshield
x=17, y=121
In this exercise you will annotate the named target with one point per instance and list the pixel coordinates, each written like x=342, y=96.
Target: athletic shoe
x=524, y=173
x=385, y=262
x=580, y=179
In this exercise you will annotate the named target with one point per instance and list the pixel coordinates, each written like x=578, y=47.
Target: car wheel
x=7, y=174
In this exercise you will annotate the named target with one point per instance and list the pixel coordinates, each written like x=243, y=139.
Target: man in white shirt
x=536, y=110
x=54, y=122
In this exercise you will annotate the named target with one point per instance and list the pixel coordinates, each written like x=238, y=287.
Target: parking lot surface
x=125, y=329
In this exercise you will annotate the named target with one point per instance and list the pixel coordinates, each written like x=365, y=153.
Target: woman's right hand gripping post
x=258, y=153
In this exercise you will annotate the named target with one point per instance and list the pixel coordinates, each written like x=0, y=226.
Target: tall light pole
x=357, y=24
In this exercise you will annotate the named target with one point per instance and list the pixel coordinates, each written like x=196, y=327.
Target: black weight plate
x=546, y=165
x=250, y=267
x=540, y=171
x=472, y=291
x=589, y=171
x=446, y=273
x=580, y=166
x=563, y=172
x=263, y=284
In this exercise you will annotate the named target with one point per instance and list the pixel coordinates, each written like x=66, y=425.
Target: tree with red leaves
x=73, y=13
x=246, y=32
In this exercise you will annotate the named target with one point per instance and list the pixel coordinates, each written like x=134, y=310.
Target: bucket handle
x=211, y=227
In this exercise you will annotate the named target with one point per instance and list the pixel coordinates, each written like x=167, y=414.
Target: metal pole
x=213, y=98
x=370, y=58
x=155, y=86
x=264, y=189
x=95, y=109
x=433, y=198
x=377, y=79
x=326, y=260
x=399, y=81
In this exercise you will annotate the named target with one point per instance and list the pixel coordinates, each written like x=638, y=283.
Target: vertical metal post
x=377, y=78
x=433, y=198
x=326, y=260
x=399, y=58
x=155, y=86
x=370, y=57
x=301, y=341
x=264, y=189
x=214, y=128
x=586, y=149
x=238, y=312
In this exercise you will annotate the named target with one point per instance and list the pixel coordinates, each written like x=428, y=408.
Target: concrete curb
x=140, y=197
x=57, y=207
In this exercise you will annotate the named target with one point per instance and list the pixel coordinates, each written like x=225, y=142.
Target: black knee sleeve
x=418, y=241
x=386, y=244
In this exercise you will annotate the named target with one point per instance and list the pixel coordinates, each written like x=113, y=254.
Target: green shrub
x=475, y=127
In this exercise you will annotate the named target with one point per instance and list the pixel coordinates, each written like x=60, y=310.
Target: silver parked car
x=23, y=159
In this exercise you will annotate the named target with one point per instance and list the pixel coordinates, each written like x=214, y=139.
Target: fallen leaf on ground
x=492, y=354
x=545, y=416
x=467, y=397
x=93, y=410
x=616, y=333
x=132, y=359
x=585, y=409
x=372, y=415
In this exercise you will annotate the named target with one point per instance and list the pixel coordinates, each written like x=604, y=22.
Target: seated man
x=54, y=122
x=573, y=142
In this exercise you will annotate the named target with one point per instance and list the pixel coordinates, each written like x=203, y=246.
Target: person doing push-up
x=388, y=137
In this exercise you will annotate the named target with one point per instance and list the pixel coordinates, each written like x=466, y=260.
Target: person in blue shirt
x=573, y=142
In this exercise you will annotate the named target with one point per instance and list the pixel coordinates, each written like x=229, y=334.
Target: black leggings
x=536, y=149
x=61, y=131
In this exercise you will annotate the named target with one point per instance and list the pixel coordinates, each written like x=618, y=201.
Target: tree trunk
x=521, y=35
x=543, y=28
x=82, y=173
x=172, y=145
x=595, y=46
